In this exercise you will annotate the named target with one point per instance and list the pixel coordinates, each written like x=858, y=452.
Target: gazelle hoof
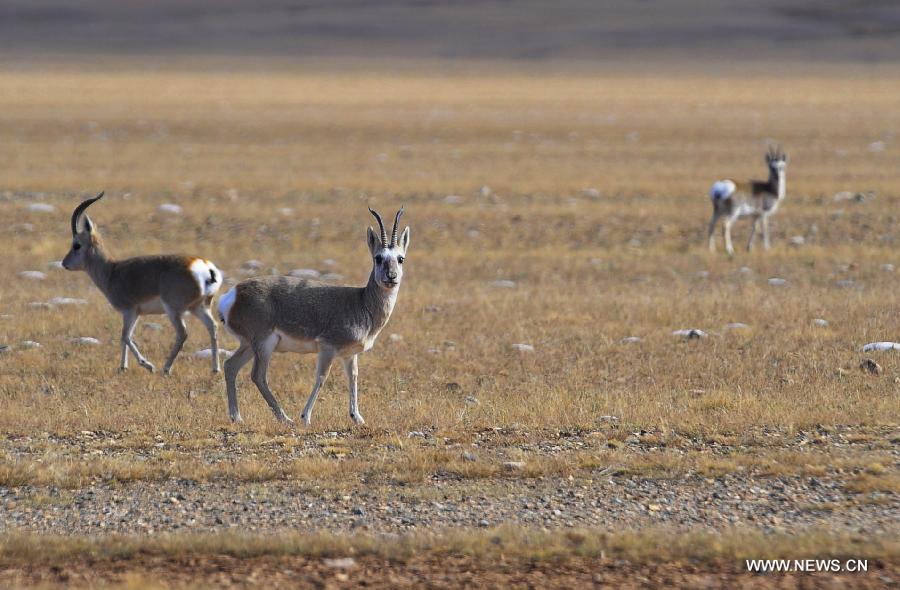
x=149, y=367
x=357, y=419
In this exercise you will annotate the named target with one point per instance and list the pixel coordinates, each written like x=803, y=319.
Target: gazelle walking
x=758, y=199
x=290, y=314
x=146, y=285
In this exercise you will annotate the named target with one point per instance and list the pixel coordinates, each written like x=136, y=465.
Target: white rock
x=395, y=338
x=55, y=264
x=33, y=275
x=877, y=146
x=340, y=563
x=690, y=333
x=820, y=322
x=797, y=241
x=521, y=347
x=453, y=200
x=514, y=465
x=504, y=284
x=630, y=340
x=416, y=434
x=777, y=282
x=329, y=262
x=305, y=273
x=30, y=344
x=881, y=346
x=286, y=211
x=844, y=196
x=887, y=267
x=485, y=191
x=207, y=353
x=746, y=270
x=472, y=400
x=171, y=208
x=67, y=301
x=591, y=193
x=86, y=340
x=41, y=208
x=736, y=326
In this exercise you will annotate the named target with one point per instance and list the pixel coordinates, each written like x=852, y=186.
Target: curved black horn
x=381, y=225
x=79, y=210
x=396, y=223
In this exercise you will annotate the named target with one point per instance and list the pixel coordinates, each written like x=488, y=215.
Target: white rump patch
x=721, y=189
x=208, y=277
x=225, y=303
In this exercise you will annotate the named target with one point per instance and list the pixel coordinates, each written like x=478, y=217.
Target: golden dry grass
x=236, y=148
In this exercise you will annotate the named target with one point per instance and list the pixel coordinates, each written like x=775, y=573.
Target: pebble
x=591, y=193
x=472, y=400
x=30, y=344
x=690, y=334
x=820, y=322
x=171, y=208
x=484, y=523
x=67, y=301
x=33, y=275
x=340, y=563
x=777, y=282
x=797, y=241
x=521, y=347
x=881, y=346
x=41, y=208
x=504, y=284
x=630, y=340
x=469, y=456
x=395, y=338
x=887, y=267
x=514, y=465
x=305, y=273
x=453, y=200
x=90, y=340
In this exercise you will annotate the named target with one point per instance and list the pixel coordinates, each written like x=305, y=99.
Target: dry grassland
x=279, y=167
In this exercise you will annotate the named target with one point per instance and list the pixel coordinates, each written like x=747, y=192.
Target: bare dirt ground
x=564, y=211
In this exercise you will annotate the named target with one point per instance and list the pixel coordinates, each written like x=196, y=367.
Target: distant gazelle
x=290, y=314
x=146, y=285
x=755, y=198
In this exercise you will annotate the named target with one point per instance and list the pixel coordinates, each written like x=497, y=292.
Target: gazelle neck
x=379, y=303
x=98, y=265
x=777, y=182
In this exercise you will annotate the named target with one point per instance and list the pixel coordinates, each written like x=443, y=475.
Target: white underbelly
x=290, y=344
x=151, y=306
x=746, y=209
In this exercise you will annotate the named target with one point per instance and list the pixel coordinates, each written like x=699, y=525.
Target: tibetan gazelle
x=144, y=285
x=290, y=314
x=758, y=199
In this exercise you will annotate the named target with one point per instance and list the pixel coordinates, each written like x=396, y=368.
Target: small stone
x=504, y=284
x=305, y=273
x=630, y=340
x=797, y=241
x=607, y=418
x=30, y=344
x=340, y=563
x=170, y=208
x=483, y=523
x=33, y=275
x=472, y=400
x=777, y=282
x=521, y=347
x=484, y=191
x=453, y=200
x=820, y=322
x=690, y=333
x=89, y=340
x=877, y=146
x=887, y=267
x=469, y=456
x=746, y=270
x=881, y=346
x=591, y=193
x=41, y=208
x=654, y=507
x=871, y=367
x=395, y=338
x=67, y=301
x=514, y=465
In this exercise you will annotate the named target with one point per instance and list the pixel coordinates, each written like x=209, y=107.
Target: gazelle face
x=388, y=256
x=777, y=164
x=81, y=244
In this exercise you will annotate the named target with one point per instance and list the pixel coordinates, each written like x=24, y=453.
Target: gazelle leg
x=753, y=227
x=203, y=314
x=729, y=247
x=765, y=230
x=351, y=368
x=323, y=364
x=130, y=318
x=233, y=366
x=262, y=355
x=177, y=319
x=711, y=234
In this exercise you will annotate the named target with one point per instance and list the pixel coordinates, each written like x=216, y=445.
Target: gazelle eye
x=400, y=259
x=76, y=246
x=379, y=259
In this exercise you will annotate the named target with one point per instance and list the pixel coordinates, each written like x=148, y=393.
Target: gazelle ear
x=404, y=239
x=373, y=241
x=85, y=225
